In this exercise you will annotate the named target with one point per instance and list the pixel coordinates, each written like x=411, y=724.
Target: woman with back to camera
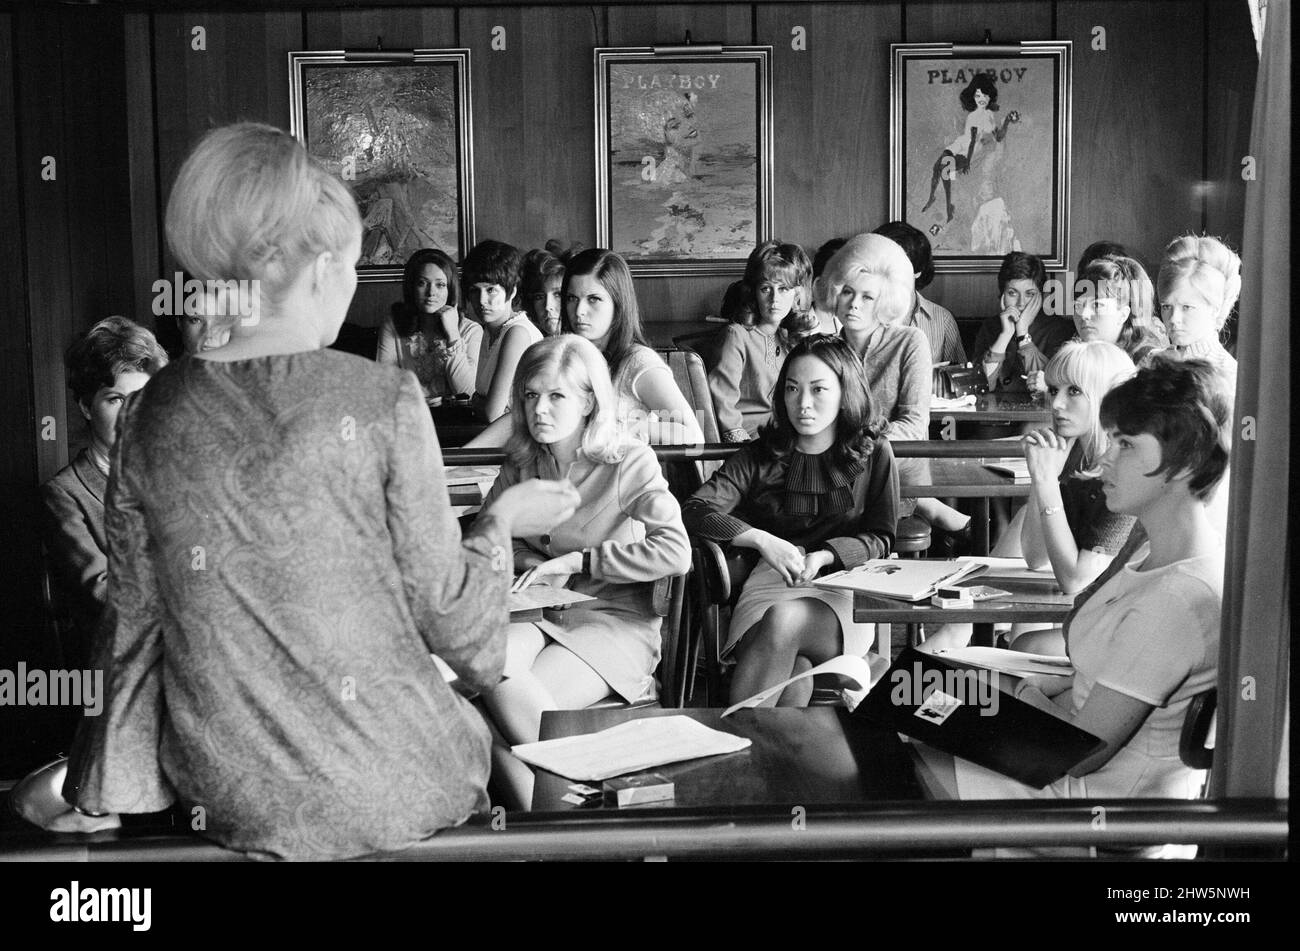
x=283, y=555
x=816, y=492
x=426, y=333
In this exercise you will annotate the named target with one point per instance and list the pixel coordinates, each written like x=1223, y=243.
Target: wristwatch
x=1050, y=510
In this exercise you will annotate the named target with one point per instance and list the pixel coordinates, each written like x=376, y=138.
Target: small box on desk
x=637, y=790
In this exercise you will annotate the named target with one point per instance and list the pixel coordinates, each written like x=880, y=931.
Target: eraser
x=952, y=603
x=638, y=790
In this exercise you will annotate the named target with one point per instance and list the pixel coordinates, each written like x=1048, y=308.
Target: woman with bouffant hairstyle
x=283, y=557
x=1198, y=283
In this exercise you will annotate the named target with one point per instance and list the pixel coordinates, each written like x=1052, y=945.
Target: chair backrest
x=691, y=379
x=1195, y=745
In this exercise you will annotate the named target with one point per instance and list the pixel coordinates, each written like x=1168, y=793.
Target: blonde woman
x=626, y=535
x=1199, y=282
x=282, y=554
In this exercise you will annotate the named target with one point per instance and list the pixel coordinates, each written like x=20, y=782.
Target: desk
x=809, y=756
x=869, y=609
x=924, y=478
x=994, y=408
x=455, y=423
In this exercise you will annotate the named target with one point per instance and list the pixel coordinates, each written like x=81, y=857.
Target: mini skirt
x=764, y=587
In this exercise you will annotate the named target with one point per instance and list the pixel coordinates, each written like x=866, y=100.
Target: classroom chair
x=705, y=342
x=690, y=377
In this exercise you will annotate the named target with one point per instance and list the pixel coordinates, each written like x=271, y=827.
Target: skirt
x=764, y=588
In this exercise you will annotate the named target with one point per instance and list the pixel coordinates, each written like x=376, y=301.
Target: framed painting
x=396, y=128
x=683, y=156
x=980, y=150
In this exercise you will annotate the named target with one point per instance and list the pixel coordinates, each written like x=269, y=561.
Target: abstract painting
x=397, y=131
x=980, y=150
x=683, y=157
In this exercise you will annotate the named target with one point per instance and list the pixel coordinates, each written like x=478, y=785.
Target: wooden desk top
x=993, y=408
x=869, y=609
x=954, y=478
x=810, y=756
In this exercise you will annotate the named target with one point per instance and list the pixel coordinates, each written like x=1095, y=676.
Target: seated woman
x=1145, y=641
x=491, y=280
x=627, y=534
x=543, y=274
x=114, y=359
x=1014, y=346
x=202, y=332
x=1199, y=281
x=817, y=491
x=283, y=557
x=868, y=285
x=779, y=280
x=933, y=320
x=1116, y=304
x=426, y=333
x=600, y=305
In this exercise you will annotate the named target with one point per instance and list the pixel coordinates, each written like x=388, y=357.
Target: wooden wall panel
x=142, y=170
x=831, y=122
x=1138, y=118
x=1231, y=65
x=974, y=295
x=242, y=75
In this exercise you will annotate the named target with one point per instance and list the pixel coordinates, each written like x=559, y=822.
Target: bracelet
x=1047, y=510
x=88, y=814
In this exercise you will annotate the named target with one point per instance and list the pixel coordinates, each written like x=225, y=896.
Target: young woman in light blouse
x=426, y=333
x=625, y=535
x=492, y=280
x=1199, y=282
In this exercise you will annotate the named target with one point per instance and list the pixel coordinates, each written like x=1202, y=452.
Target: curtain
x=1254, y=658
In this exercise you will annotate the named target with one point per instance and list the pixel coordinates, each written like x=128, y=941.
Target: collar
x=816, y=486
x=91, y=475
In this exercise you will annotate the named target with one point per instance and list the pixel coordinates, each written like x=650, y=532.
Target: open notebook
x=910, y=579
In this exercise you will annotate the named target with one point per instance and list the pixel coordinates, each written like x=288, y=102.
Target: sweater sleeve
x=724, y=380
x=707, y=513
x=911, y=416
x=879, y=519
x=462, y=359
x=387, y=351
x=643, y=495
x=74, y=554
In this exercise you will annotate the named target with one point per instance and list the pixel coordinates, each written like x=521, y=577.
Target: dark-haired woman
x=114, y=359
x=1014, y=345
x=426, y=333
x=980, y=100
x=817, y=491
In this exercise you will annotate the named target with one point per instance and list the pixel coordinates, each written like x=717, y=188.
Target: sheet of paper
x=854, y=668
x=1009, y=662
x=957, y=402
x=482, y=476
x=1010, y=569
x=544, y=596
x=629, y=748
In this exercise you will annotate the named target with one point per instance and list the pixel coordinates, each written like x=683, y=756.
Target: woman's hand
x=536, y=506
x=554, y=571
x=813, y=565
x=1045, y=454
x=787, y=559
x=1008, y=319
x=1036, y=383
x=450, y=321
x=1028, y=314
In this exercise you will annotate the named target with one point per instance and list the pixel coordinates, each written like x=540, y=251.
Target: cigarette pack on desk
x=638, y=790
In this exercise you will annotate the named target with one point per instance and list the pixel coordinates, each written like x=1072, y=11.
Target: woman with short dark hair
x=1014, y=345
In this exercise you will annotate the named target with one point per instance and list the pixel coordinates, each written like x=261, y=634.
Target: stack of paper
x=629, y=748
x=1014, y=466
x=538, y=596
x=1009, y=662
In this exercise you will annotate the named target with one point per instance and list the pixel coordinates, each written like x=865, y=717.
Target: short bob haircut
x=856, y=425
x=1124, y=280
x=1095, y=367
x=915, y=245
x=249, y=204
x=114, y=345
x=494, y=262
x=406, y=316
x=1019, y=266
x=783, y=262
x=1208, y=265
x=539, y=267
x=869, y=254
x=1182, y=404
x=579, y=363
x=613, y=274
x=1101, y=249
x=984, y=83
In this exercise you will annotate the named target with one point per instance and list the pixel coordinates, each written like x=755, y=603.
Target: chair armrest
x=714, y=574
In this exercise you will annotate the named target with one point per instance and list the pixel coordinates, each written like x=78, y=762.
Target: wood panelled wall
x=1161, y=122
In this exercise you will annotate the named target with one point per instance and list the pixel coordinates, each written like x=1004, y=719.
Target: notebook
x=961, y=711
x=909, y=580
